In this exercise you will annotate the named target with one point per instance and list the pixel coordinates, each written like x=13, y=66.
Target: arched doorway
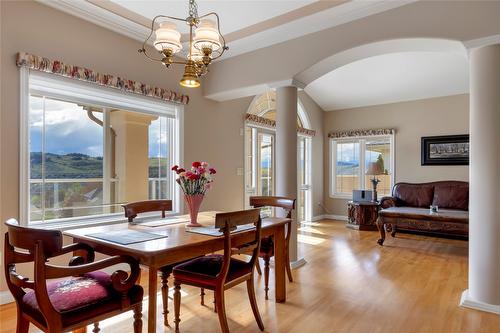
x=260, y=153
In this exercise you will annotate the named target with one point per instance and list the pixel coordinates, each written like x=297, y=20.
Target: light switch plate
x=239, y=171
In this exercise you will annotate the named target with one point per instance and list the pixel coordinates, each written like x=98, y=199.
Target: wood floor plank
x=349, y=284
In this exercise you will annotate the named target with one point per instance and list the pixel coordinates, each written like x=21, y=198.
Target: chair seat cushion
x=205, y=269
x=266, y=246
x=75, y=292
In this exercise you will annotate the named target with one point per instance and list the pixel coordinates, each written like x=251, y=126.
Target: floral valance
x=363, y=132
x=265, y=122
x=84, y=74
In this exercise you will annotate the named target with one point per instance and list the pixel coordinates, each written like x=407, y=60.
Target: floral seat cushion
x=75, y=292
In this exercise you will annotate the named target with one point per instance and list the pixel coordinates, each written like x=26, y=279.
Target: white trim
x=24, y=159
x=6, y=297
x=37, y=83
x=335, y=217
x=59, y=87
x=480, y=42
x=329, y=217
x=361, y=140
x=467, y=302
x=99, y=16
x=298, y=263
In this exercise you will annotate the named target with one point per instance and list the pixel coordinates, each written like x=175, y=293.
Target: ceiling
x=229, y=11
x=390, y=78
x=247, y=25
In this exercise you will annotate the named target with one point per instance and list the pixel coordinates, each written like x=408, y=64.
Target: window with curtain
x=357, y=160
x=86, y=158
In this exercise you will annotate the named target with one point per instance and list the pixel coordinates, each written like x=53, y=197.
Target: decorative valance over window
x=84, y=74
x=363, y=132
x=265, y=122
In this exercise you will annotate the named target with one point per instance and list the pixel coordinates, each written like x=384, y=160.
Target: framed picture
x=445, y=150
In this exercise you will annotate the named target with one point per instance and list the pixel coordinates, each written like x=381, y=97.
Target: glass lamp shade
x=206, y=35
x=196, y=55
x=167, y=37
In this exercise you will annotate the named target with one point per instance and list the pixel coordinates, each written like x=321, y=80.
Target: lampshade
x=196, y=55
x=168, y=38
x=206, y=35
x=190, y=78
x=375, y=169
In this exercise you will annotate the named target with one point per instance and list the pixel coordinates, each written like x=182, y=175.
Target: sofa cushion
x=451, y=196
x=414, y=195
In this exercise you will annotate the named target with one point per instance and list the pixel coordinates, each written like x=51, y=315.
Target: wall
x=212, y=129
x=412, y=120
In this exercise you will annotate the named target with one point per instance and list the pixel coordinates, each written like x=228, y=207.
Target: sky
x=69, y=130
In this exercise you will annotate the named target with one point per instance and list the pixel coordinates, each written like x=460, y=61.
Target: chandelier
x=206, y=43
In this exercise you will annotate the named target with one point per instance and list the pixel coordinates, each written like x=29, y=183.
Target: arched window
x=260, y=151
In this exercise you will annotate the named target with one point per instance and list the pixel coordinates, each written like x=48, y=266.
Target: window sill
x=341, y=196
x=92, y=222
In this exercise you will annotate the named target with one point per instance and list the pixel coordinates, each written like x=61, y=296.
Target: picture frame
x=445, y=150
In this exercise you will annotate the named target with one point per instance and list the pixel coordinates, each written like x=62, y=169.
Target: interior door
x=304, y=179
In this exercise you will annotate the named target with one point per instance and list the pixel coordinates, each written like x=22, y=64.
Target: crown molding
x=336, y=15
x=480, y=42
x=99, y=16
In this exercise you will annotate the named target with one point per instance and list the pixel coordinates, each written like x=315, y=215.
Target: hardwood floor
x=350, y=284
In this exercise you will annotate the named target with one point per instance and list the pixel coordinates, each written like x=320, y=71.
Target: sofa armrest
x=387, y=202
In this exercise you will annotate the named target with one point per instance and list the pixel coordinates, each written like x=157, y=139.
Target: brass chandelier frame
x=193, y=67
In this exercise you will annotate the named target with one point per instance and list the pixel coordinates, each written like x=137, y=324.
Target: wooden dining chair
x=81, y=295
x=267, y=243
x=219, y=272
x=132, y=209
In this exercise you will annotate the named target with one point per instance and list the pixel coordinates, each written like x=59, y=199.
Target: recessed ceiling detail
x=390, y=78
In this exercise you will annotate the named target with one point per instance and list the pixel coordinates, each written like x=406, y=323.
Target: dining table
x=179, y=243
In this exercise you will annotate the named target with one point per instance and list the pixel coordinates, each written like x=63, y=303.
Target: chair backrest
x=229, y=221
x=134, y=208
x=20, y=246
x=288, y=204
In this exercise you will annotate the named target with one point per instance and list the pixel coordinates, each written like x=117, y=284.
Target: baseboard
x=6, y=297
x=336, y=217
x=467, y=302
x=298, y=263
x=329, y=217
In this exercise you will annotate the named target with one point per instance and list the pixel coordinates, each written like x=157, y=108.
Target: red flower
x=180, y=170
x=175, y=167
x=196, y=164
x=212, y=171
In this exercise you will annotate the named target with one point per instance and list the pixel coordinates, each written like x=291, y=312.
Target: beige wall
x=212, y=129
x=412, y=120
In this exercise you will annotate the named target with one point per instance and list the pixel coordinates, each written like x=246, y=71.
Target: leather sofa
x=409, y=209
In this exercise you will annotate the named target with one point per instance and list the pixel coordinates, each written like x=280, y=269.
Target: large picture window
x=86, y=156
x=355, y=161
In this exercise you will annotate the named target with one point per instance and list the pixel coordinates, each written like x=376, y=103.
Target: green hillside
x=77, y=165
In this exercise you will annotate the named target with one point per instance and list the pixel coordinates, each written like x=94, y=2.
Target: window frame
x=362, y=151
x=76, y=91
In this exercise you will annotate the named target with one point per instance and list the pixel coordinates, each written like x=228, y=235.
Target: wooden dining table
x=180, y=245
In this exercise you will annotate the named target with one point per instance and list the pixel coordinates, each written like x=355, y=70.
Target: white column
x=286, y=155
x=484, y=210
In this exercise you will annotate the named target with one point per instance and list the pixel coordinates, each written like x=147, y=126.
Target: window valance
x=362, y=132
x=84, y=74
x=265, y=122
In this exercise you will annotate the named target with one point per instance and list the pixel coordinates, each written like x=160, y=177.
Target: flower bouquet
x=194, y=183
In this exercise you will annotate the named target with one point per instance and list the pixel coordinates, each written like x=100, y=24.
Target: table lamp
x=375, y=169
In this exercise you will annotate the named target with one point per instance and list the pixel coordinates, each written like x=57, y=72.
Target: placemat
x=126, y=237
x=213, y=231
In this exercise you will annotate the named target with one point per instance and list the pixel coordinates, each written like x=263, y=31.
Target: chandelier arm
x=224, y=46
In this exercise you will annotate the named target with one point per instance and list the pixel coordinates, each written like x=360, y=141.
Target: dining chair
x=219, y=272
x=81, y=295
x=132, y=209
x=267, y=243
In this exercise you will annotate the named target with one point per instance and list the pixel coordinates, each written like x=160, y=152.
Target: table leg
x=381, y=229
x=279, y=264
x=152, y=287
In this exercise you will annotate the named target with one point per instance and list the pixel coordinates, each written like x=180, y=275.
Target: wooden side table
x=362, y=215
